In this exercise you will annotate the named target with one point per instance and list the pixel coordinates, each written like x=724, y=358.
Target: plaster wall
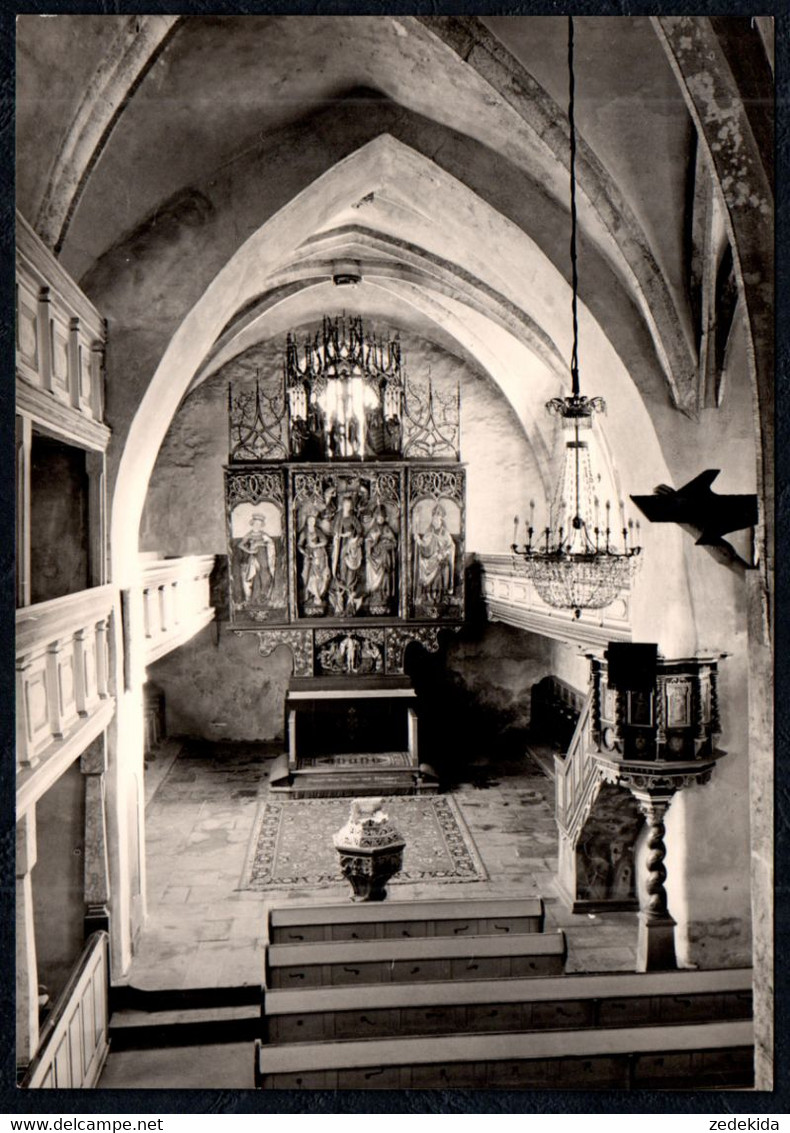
x=623, y=95
x=475, y=700
x=219, y=685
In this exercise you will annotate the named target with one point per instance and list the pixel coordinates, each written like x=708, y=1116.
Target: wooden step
x=393, y=919
x=613, y=1000
x=712, y=1055
x=350, y=785
x=344, y=963
x=137, y=997
x=134, y=1030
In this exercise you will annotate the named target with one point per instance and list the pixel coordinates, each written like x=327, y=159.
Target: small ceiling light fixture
x=346, y=273
x=575, y=563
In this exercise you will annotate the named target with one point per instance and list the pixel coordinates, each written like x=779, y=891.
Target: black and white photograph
x=394, y=556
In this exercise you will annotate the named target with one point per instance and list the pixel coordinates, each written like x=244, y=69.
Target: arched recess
x=487, y=245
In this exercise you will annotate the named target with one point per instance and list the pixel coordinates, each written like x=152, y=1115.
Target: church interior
x=394, y=453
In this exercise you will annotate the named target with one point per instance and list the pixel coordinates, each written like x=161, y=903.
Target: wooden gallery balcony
x=64, y=690
x=176, y=602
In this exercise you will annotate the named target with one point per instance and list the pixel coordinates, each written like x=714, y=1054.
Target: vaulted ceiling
x=137, y=110
x=204, y=176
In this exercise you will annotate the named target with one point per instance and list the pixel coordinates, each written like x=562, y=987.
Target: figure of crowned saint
x=434, y=561
x=258, y=562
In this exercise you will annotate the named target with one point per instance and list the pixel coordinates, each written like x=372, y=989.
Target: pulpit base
x=655, y=949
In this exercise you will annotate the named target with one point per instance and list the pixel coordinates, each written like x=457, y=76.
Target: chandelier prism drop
x=575, y=562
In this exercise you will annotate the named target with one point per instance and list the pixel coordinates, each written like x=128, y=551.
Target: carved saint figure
x=315, y=562
x=381, y=557
x=434, y=560
x=346, y=559
x=258, y=562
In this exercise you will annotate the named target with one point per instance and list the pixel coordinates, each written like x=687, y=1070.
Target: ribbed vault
x=496, y=314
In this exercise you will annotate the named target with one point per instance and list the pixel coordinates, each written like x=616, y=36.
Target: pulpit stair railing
x=577, y=779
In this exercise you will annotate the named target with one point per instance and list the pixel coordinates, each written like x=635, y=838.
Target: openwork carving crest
x=437, y=483
x=432, y=423
x=257, y=424
x=398, y=638
x=299, y=641
x=253, y=487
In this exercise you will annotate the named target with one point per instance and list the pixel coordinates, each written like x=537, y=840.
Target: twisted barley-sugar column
x=654, y=811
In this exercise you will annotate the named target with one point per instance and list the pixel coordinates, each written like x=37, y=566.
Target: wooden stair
x=472, y=994
x=145, y=1019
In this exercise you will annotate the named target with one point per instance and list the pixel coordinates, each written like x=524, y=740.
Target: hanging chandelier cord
x=573, y=571
x=574, y=267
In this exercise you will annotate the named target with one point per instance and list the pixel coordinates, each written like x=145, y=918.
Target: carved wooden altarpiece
x=345, y=508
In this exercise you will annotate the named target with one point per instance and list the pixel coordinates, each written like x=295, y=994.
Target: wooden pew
x=709, y=1055
x=304, y=924
x=571, y=1001
x=410, y=960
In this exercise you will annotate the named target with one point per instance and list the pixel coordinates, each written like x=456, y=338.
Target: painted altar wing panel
x=256, y=524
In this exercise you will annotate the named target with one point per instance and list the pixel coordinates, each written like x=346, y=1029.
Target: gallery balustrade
x=64, y=687
x=510, y=597
x=176, y=602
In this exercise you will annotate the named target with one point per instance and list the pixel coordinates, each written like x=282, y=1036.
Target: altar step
x=335, y=777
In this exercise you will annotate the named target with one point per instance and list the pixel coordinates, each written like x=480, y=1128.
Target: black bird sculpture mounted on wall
x=704, y=514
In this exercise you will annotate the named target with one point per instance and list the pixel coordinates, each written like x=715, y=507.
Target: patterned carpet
x=292, y=848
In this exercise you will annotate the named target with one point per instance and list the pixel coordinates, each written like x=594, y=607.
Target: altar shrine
x=345, y=508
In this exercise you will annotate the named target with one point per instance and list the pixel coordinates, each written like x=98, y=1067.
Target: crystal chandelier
x=575, y=563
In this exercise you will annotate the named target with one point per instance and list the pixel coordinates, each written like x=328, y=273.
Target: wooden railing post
x=93, y=765
x=24, y=440
x=97, y=517
x=26, y=964
x=45, y=338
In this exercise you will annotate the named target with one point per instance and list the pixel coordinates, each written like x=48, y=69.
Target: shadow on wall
x=475, y=693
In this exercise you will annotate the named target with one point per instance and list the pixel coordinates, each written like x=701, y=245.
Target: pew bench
x=410, y=960
x=394, y=919
x=572, y=1001
x=709, y=1055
